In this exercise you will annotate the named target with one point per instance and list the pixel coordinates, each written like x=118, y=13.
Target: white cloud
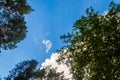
x=48, y=45
x=54, y=64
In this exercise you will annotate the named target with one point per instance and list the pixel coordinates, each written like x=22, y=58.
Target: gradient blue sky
x=49, y=20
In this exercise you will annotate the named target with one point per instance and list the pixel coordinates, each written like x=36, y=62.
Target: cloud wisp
x=48, y=45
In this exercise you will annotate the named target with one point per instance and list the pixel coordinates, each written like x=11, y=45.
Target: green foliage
x=95, y=45
x=12, y=24
x=25, y=70
x=49, y=73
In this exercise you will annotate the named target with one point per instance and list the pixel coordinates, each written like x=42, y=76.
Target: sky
x=49, y=20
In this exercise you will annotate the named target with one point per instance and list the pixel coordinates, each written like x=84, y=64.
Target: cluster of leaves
x=49, y=73
x=27, y=70
x=12, y=24
x=94, y=45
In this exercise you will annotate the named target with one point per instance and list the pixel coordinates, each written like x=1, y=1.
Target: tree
x=94, y=45
x=49, y=73
x=12, y=24
x=25, y=70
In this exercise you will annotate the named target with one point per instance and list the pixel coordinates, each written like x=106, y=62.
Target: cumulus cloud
x=48, y=45
x=60, y=67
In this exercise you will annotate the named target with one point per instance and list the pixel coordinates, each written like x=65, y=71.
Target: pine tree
x=12, y=24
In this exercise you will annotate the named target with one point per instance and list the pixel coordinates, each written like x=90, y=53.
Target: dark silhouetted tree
x=94, y=45
x=25, y=70
x=49, y=73
x=12, y=24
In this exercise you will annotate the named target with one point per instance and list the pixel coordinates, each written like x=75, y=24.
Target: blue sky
x=49, y=20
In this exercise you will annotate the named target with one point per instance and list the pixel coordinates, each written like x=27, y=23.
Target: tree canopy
x=49, y=73
x=94, y=45
x=27, y=70
x=12, y=24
